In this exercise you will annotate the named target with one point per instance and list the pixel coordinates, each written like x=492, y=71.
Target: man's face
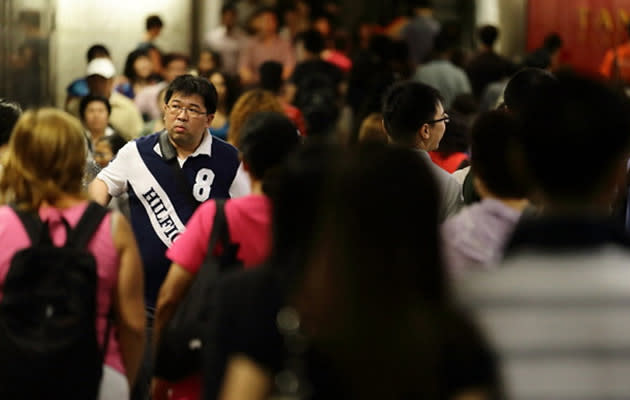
x=100, y=86
x=96, y=116
x=229, y=18
x=268, y=24
x=437, y=129
x=174, y=69
x=186, y=119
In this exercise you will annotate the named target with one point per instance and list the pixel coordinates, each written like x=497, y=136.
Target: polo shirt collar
x=165, y=149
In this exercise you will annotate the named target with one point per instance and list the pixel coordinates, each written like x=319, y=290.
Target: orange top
x=607, y=67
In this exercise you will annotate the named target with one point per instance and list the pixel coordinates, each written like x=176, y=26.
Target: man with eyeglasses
x=169, y=173
x=413, y=116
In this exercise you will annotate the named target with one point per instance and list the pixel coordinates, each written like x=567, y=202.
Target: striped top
x=558, y=316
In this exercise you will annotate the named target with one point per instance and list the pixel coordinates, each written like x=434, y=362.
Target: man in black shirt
x=487, y=66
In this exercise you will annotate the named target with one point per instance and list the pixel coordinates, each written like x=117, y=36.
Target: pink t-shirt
x=249, y=225
x=13, y=237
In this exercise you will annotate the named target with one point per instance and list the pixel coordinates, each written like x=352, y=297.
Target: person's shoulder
x=120, y=99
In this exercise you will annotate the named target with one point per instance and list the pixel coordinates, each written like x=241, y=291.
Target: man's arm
x=173, y=290
x=99, y=192
x=241, y=185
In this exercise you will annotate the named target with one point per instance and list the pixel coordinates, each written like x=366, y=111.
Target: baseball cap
x=102, y=67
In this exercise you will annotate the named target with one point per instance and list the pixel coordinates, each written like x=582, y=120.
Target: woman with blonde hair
x=249, y=103
x=42, y=176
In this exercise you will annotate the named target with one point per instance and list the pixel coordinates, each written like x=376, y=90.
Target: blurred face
x=174, y=69
x=103, y=153
x=219, y=83
x=206, y=62
x=229, y=19
x=143, y=67
x=96, y=117
x=186, y=120
x=267, y=23
x=323, y=26
x=436, y=129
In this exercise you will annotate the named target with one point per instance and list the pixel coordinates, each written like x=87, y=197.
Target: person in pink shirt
x=267, y=138
x=42, y=172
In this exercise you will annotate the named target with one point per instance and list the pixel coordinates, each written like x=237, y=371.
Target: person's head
x=106, y=148
x=372, y=131
x=270, y=73
x=493, y=139
x=523, y=86
x=97, y=51
x=153, y=26
x=10, y=111
x=229, y=15
x=100, y=74
x=552, y=42
x=413, y=115
x=266, y=22
x=488, y=35
x=45, y=159
x=420, y=5
x=323, y=23
x=208, y=60
x=138, y=65
x=443, y=44
x=95, y=111
x=576, y=119
x=175, y=64
x=249, y=103
x=309, y=43
x=220, y=82
x=267, y=139
x=189, y=106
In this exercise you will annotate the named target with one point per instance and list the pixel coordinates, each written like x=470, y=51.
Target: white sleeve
x=241, y=185
x=115, y=174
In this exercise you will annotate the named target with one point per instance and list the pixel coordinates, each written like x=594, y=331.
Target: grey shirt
x=443, y=75
x=451, y=198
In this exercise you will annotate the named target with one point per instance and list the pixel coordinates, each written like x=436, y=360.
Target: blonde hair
x=249, y=103
x=372, y=130
x=45, y=159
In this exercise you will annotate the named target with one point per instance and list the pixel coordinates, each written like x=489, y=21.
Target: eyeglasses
x=175, y=109
x=445, y=118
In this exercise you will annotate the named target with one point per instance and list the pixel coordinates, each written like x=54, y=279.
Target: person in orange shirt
x=616, y=62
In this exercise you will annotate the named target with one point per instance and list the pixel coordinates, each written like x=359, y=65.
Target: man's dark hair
x=443, y=42
x=493, y=137
x=115, y=141
x=10, y=112
x=189, y=85
x=95, y=51
x=312, y=40
x=552, y=42
x=154, y=22
x=170, y=57
x=488, y=35
x=576, y=134
x=271, y=76
x=406, y=107
x=523, y=85
x=265, y=10
x=267, y=139
x=130, y=71
x=85, y=101
x=228, y=7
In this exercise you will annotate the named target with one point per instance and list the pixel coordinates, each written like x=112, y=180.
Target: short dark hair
x=488, y=35
x=267, y=139
x=85, y=101
x=228, y=7
x=523, y=85
x=552, y=42
x=10, y=112
x=406, y=107
x=170, y=57
x=189, y=85
x=115, y=141
x=312, y=40
x=271, y=76
x=129, y=70
x=95, y=51
x=154, y=21
x=576, y=133
x=443, y=42
x=493, y=137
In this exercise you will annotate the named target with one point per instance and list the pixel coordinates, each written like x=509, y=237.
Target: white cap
x=102, y=67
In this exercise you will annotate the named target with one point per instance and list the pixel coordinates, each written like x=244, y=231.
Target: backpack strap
x=31, y=222
x=87, y=225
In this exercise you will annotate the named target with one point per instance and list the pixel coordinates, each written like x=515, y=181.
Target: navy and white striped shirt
x=159, y=209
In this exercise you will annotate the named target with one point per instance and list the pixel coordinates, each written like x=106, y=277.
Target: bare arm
x=99, y=192
x=245, y=380
x=129, y=298
x=172, y=292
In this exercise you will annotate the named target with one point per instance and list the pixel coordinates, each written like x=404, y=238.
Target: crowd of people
x=295, y=218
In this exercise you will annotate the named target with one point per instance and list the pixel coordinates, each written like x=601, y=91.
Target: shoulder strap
x=87, y=225
x=170, y=156
x=219, y=231
x=31, y=222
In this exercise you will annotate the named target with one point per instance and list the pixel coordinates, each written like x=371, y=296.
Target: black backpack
x=180, y=348
x=48, y=343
